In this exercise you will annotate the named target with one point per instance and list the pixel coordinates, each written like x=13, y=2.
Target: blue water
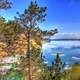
x=69, y=51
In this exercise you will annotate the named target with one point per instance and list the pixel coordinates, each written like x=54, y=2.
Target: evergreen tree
x=57, y=68
x=29, y=20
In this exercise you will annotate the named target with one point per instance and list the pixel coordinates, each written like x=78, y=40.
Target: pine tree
x=28, y=20
x=57, y=67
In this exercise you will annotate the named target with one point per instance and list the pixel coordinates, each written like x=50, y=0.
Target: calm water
x=69, y=51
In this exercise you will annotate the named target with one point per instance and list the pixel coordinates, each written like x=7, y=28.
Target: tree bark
x=29, y=56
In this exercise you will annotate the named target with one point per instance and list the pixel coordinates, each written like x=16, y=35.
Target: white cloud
x=63, y=44
x=66, y=36
x=76, y=58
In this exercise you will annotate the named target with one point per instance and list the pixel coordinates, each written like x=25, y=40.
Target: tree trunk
x=29, y=56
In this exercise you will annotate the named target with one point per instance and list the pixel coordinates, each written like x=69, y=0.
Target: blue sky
x=61, y=14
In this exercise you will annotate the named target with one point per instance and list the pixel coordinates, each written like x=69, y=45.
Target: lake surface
x=69, y=51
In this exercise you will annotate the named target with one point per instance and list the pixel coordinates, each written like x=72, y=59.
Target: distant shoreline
x=64, y=39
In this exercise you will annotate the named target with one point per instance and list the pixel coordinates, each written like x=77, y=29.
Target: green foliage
x=55, y=71
x=14, y=75
x=2, y=24
x=10, y=31
x=75, y=72
x=31, y=16
x=46, y=76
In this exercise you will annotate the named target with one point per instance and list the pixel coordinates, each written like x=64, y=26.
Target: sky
x=61, y=14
